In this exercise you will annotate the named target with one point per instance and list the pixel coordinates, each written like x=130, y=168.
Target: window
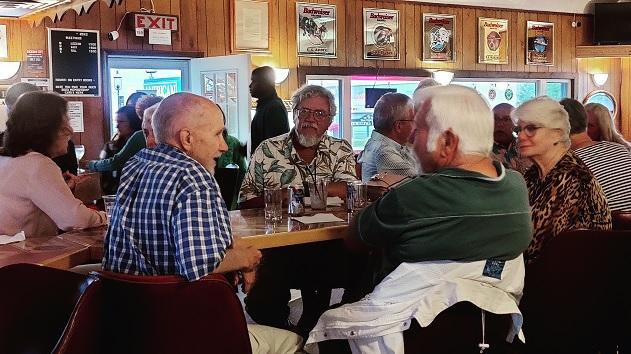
x=353, y=121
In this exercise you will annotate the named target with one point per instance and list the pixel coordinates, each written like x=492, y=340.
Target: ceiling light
x=443, y=77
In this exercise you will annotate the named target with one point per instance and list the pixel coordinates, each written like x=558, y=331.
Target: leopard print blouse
x=568, y=197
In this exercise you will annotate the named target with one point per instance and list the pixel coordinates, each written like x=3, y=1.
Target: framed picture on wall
x=540, y=43
x=438, y=37
x=316, y=29
x=381, y=34
x=250, y=26
x=492, y=41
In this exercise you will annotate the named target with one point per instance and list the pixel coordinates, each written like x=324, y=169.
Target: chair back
x=35, y=305
x=621, y=220
x=458, y=329
x=229, y=180
x=576, y=295
x=162, y=314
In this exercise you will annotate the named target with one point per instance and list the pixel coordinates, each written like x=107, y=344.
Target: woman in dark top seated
x=127, y=123
x=563, y=193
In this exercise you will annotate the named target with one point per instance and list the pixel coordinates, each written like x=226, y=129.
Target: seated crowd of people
x=527, y=174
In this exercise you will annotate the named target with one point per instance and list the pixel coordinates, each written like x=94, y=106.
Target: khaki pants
x=270, y=340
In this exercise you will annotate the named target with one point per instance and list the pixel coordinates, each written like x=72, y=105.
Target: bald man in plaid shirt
x=169, y=217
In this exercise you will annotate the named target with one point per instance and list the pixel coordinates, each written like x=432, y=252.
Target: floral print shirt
x=276, y=164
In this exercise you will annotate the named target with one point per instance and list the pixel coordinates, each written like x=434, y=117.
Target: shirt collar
x=386, y=139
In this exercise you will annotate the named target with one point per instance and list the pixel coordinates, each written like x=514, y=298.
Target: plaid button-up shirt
x=169, y=218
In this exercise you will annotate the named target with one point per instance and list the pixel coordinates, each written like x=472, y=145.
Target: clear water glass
x=273, y=204
x=318, y=194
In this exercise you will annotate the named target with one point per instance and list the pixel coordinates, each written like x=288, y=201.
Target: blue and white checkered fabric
x=169, y=217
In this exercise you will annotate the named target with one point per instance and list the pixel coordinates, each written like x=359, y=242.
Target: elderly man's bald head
x=192, y=124
x=178, y=111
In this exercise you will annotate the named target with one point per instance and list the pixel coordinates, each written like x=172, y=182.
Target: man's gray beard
x=309, y=142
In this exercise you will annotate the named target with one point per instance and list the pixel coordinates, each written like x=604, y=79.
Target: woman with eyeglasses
x=563, y=193
x=34, y=197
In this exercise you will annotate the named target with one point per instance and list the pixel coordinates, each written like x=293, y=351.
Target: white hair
x=544, y=111
x=308, y=91
x=463, y=111
x=423, y=84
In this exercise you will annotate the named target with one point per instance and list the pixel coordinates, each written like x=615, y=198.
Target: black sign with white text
x=74, y=61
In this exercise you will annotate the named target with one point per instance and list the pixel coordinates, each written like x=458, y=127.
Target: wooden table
x=86, y=246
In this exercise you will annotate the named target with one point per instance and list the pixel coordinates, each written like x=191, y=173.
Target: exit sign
x=155, y=21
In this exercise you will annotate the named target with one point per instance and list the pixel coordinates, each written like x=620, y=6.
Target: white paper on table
x=330, y=201
x=5, y=239
x=317, y=218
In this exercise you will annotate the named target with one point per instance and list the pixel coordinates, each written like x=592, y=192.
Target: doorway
x=153, y=75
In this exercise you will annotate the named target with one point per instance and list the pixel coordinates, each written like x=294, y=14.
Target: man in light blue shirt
x=386, y=150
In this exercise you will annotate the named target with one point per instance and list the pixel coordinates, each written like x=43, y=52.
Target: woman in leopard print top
x=563, y=193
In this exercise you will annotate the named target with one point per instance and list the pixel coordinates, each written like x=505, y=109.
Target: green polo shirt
x=452, y=214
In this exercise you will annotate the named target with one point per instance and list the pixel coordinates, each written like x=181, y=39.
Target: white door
x=225, y=80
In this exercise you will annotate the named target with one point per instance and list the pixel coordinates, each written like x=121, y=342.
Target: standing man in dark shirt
x=270, y=119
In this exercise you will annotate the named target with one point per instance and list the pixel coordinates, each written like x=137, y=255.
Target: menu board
x=74, y=61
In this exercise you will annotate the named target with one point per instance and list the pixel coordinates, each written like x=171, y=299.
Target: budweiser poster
x=492, y=41
x=540, y=39
x=317, y=36
x=438, y=37
x=381, y=34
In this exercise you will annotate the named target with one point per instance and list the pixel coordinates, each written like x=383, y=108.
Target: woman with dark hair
x=127, y=123
x=134, y=143
x=34, y=197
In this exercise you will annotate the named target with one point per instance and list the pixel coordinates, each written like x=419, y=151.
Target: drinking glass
x=273, y=204
x=318, y=194
x=109, y=201
x=360, y=195
x=79, y=151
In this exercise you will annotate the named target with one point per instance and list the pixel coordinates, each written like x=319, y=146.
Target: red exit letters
x=154, y=21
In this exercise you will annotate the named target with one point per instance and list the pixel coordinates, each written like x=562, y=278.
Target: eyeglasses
x=317, y=114
x=530, y=130
x=404, y=120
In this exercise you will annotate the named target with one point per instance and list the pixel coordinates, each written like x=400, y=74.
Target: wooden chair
x=577, y=297
x=621, y=220
x=35, y=305
x=157, y=314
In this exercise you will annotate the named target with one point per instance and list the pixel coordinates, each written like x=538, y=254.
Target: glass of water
x=273, y=204
x=79, y=151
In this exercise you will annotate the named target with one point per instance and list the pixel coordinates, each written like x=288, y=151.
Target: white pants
x=270, y=340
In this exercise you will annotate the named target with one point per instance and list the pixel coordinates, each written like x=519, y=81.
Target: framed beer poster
x=540, y=43
x=492, y=41
x=316, y=30
x=438, y=37
x=381, y=34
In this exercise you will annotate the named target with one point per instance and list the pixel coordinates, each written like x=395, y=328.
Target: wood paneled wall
x=205, y=28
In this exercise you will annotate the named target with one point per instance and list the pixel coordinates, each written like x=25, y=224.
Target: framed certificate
x=250, y=26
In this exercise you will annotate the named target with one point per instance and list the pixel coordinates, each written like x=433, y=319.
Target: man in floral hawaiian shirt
x=305, y=153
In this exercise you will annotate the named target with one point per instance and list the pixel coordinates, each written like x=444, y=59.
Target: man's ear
x=450, y=142
x=186, y=140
